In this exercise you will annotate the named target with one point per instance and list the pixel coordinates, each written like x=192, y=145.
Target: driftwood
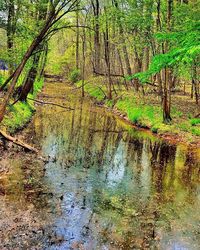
x=18, y=142
x=50, y=103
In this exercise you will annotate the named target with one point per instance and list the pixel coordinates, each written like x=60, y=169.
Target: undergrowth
x=144, y=115
x=20, y=114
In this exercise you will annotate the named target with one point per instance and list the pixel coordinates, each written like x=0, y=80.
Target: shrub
x=74, y=75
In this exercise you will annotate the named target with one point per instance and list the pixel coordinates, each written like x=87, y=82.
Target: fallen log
x=18, y=142
x=50, y=103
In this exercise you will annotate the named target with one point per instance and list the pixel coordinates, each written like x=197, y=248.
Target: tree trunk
x=122, y=69
x=10, y=33
x=32, y=74
x=97, y=45
x=27, y=55
x=83, y=64
x=124, y=47
x=107, y=60
x=77, y=39
x=168, y=75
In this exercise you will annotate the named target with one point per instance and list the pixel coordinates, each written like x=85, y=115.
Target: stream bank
x=146, y=113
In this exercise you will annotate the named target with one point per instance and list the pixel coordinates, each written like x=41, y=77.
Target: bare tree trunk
x=168, y=76
x=77, y=39
x=159, y=28
x=32, y=74
x=122, y=69
x=83, y=64
x=97, y=45
x=107, y=60
x=10, y=33
x=195, y=84
x=124, y=47
x=43, y=60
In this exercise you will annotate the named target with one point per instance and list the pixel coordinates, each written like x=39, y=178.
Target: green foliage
x=21, y=113
x=74, y=75
x=185, y=51
x=1, y=80
x=196, y=131
x=38, y=85
x=92, y=90
x=18, y=116
x=195, y=121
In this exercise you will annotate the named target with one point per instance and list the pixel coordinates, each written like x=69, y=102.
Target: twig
x=50, y=103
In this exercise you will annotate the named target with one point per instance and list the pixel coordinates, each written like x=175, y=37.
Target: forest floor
x=145, y=111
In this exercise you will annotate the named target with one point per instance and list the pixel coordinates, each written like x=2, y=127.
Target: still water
x=105, y=186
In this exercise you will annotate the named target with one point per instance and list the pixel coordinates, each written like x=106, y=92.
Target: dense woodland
x=141, y=47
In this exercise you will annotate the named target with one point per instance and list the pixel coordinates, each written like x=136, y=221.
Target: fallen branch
x=51, y=103
x=107, y=131
x=18, y=142
x=104, y=74
x=197, y=116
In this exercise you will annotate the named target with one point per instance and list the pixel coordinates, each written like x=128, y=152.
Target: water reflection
x=115, y=187
x=120, y=190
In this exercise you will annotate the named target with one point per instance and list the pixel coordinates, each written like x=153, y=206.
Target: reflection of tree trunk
x=105, y=139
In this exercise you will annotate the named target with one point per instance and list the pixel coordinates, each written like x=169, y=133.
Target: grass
x=20, y=114
x=146, y=115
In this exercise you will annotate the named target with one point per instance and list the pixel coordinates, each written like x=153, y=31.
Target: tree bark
x=30, y=79
x=168, y=77
x=97, y=44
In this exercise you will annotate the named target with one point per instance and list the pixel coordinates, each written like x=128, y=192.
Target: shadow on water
x=109, y=186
